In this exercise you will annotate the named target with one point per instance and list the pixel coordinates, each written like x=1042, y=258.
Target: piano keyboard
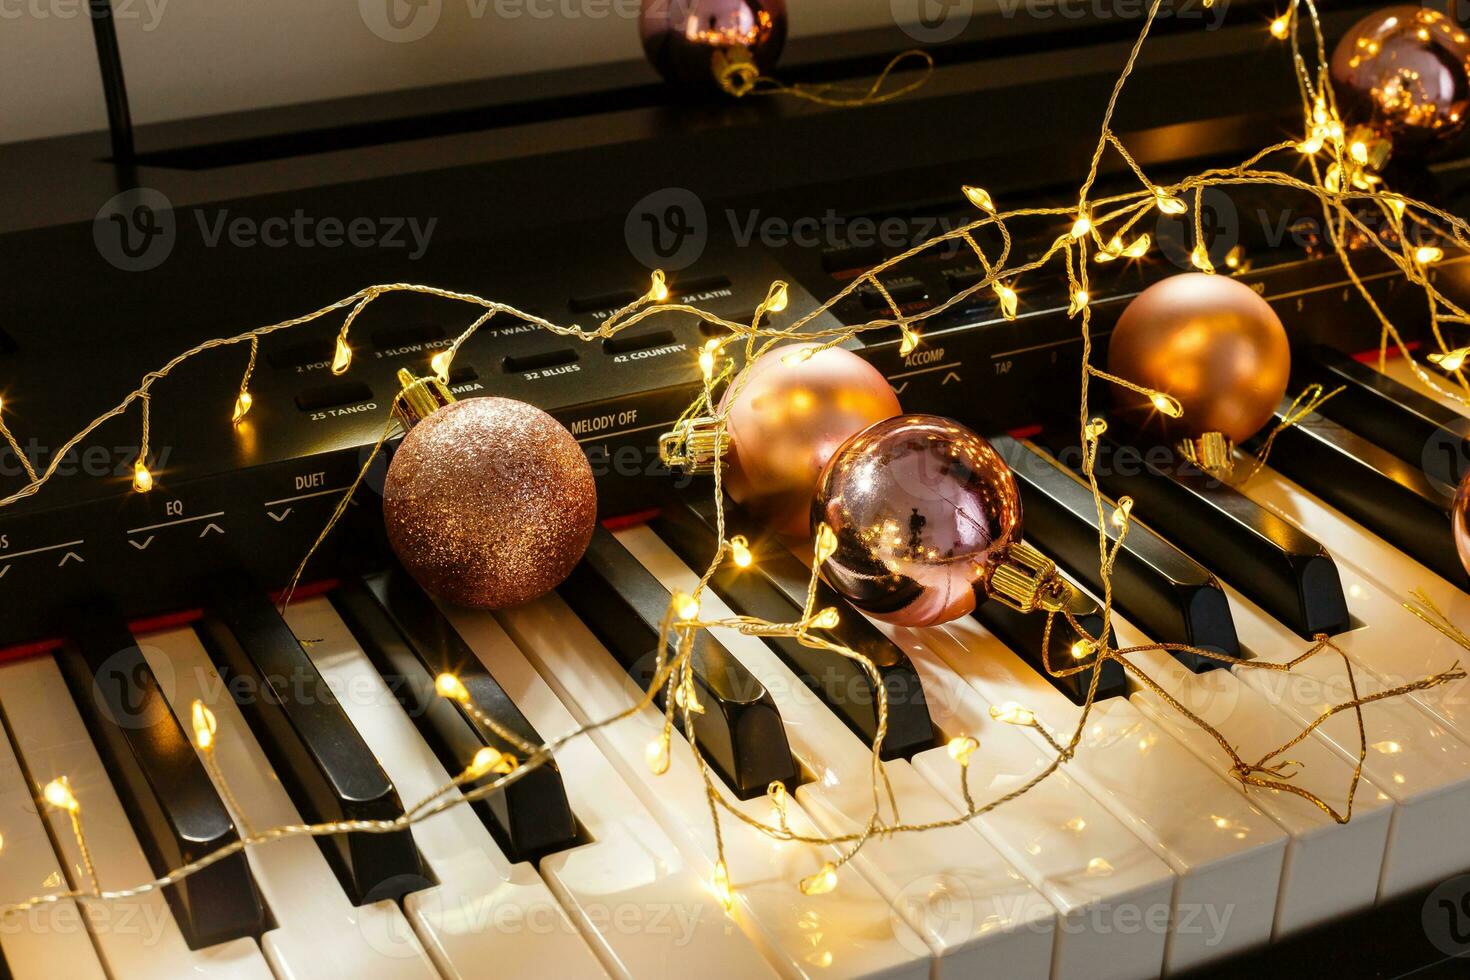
x=1139, y=856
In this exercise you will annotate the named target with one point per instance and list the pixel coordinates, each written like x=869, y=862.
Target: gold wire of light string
x=1101, y=228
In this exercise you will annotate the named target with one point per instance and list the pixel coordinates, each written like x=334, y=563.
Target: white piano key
x=849, y=932
x=1347, y=864
x=138, y=937
x=1400, y=370
x=976, y=912
x=1369, y=555
x=1226, y=853
x=319, y=932
x=1376, y=578
x=636, y=903
x=1112, y=893
x=631, y=856
x=50, y=940
x=1413, y=758
x=484, y=909
x=1331, y=869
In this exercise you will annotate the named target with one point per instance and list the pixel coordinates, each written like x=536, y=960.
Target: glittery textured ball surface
x=489, y=502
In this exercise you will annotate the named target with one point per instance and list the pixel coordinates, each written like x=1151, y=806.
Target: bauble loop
x=1210, y=342
x=1404, y=71
x=489, y=502
x=924, y=511
x=786, y=414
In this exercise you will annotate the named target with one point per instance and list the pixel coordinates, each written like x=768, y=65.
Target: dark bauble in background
x=1404, y=71
x=489, y=502
x=923, y=510
x=707, y=46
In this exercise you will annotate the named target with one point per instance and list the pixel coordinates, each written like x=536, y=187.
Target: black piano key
x=1283, y=570
x=318, y=755
x=740, y=731
x=411, y=643
x=774, y=589
x=163, y=786
x=1161, y=589
x=1391, y=497
x=1025, y=635
x=1391, y=415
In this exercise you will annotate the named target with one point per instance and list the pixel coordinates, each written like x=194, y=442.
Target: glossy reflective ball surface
x=923, y=509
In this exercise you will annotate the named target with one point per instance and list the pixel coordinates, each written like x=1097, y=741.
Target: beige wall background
x=193, y=57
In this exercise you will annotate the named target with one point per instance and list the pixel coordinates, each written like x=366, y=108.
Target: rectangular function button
x=334, y=395
x=602, y=301
x=902, y=290
x=699, y=284
x=539, y=360
x=623, y=343
x=406, y=335
x=302, y=354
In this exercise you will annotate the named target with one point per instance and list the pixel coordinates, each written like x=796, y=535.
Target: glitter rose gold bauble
x=786, y=420
x=1209, y=341
x=1404, y=71
x=923, y=509
x=489, y=502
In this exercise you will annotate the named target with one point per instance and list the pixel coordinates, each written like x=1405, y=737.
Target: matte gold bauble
x=1212, y=343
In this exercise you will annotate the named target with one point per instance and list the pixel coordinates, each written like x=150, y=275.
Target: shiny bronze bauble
x=706, y=46
x=923, y=510
x=489, y=502
x=786, y=414
x=1212, y=343
x=1405, y=72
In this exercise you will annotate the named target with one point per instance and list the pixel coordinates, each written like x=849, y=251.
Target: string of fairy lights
x=1342, y=179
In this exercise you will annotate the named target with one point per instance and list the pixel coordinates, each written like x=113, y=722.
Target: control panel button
x=334, y=395
x=538, y=361
x=604, y=301
x=902, y=290
x=623, y=343
x=699, y=284
x=406, y=335
x=302, y=354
